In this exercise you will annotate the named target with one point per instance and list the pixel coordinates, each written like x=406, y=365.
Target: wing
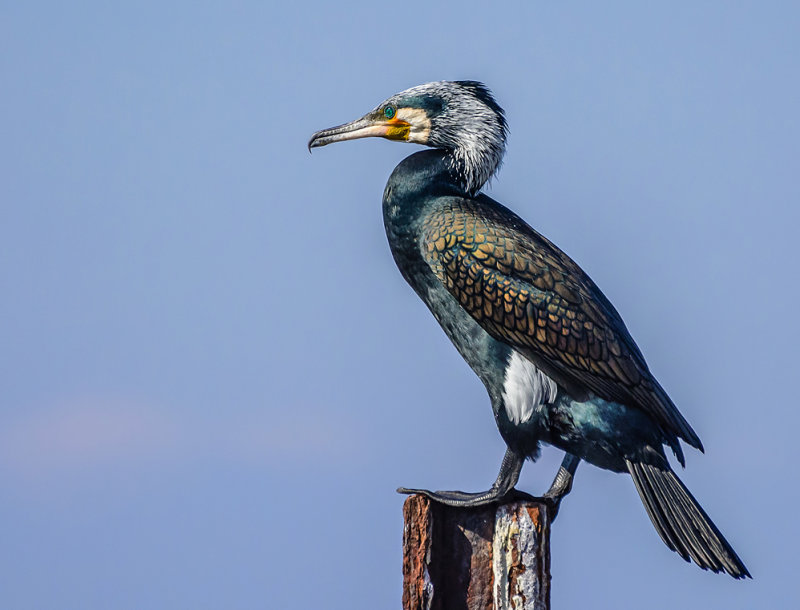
x=526, y=292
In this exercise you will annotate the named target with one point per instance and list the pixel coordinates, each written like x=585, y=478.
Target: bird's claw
x=466, y=499
x=407, y=491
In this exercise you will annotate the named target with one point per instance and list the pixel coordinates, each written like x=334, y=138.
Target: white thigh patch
x=525, y=388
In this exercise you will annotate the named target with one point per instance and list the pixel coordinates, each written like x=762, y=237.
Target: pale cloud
x=95, y=433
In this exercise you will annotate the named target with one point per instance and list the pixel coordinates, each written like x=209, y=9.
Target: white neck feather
x=476, y=160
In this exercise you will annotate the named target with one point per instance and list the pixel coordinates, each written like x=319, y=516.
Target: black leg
x=562, y=484
x=502, y=488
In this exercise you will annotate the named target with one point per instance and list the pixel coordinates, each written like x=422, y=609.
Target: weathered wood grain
x=494, y=557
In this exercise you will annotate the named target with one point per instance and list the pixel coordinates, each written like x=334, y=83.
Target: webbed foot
x=466, y=499
x=502, y=488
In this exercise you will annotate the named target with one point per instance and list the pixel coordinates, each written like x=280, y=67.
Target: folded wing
x=527, y=293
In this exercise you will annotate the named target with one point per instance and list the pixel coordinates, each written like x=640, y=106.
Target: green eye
x=389, y=112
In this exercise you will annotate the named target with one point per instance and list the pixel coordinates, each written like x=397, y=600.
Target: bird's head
x=460, y=117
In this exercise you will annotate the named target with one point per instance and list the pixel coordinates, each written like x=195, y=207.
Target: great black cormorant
x=555, y=356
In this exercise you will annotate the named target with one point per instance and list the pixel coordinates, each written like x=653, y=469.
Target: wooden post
x=494, y=557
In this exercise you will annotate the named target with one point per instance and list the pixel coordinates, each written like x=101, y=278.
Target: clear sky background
x=212, y=377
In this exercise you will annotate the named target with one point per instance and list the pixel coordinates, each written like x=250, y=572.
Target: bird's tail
x=680, y=521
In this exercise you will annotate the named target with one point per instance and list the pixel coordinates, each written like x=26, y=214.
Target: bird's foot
x=562, y=484
x=465, y=499
x=502, y=490
x=553, y=501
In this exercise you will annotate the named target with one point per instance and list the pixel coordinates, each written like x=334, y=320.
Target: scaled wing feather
x=526, y=292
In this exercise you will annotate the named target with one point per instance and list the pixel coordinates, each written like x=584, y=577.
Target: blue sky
x=213, y=376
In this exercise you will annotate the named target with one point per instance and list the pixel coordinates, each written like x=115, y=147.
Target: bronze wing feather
x=526, y=292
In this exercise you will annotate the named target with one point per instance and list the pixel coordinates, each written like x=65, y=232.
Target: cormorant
x=556, y=358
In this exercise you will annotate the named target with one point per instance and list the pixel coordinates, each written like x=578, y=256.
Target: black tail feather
x=680, y=521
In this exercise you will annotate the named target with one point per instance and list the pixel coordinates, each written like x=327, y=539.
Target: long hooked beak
x=367, y=126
